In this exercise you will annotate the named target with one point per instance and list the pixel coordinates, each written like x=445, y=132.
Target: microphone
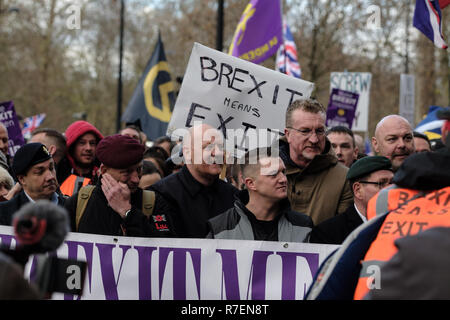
x=41, y=226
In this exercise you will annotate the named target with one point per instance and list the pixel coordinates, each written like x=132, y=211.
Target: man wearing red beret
x=115, y=204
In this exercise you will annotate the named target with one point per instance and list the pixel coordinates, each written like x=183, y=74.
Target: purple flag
x=259, y=32
x=341, y=108
x=9, y=118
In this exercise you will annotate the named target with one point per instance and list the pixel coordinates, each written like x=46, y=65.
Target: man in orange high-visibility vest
x=419, y=268
x=420, y=200
x=73, y=184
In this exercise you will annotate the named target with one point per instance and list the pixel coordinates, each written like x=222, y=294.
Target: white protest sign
x=235, y=96
x=357, y=82
x=407, y=107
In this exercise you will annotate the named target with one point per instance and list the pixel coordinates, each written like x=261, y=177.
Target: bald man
x=394, y=139
x=3, y=139
x=195, y=193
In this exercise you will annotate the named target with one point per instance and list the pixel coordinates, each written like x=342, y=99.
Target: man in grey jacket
x=262, y=211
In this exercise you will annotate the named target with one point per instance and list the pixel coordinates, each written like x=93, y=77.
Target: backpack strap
x=83, y=197
x=148, y=202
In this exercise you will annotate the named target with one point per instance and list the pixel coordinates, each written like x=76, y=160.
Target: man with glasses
x=317, y=184
x=367, y=176
x=381, y=258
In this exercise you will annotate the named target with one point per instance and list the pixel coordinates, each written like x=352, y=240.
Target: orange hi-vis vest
x=73, y=183
x=388, y=199
x=409, y=217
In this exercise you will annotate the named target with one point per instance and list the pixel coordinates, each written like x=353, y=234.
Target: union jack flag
x=31, y=123
x=287, y=55
x=428, y=19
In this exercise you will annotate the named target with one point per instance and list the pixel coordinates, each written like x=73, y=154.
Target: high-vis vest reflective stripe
x=388, y=199
x=428, y=211
x=72, y=184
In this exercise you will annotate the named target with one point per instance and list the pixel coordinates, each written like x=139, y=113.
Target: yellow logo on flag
x=163, y=114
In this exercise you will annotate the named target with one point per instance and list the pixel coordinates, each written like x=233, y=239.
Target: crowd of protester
x=315, y=188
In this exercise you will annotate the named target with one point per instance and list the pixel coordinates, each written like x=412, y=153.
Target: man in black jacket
x=195, y=193
x=34, y=169
x=115, y=205
x=367, y=176
x=262, y=212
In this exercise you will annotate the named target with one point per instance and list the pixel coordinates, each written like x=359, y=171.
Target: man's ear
x=355, y=153
x=286, y=133
x=186, y=154
x=357, y=190
x=103, y=169
x=52, y=149
x=375, y=145
x=20, y=179
x=250, y=183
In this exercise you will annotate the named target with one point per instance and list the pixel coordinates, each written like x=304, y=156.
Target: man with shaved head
x=262, y=211
x=53, y=140
x=394, y=139
x=195, y=193
x=3, y=139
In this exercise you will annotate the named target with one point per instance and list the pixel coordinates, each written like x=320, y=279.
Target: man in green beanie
x=366, y=176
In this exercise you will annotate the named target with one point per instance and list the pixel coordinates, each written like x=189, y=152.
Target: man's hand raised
x=117, y=194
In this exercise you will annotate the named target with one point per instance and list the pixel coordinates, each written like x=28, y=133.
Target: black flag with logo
x=153, y=99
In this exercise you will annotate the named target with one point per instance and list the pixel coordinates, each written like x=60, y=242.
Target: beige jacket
x=319, y=190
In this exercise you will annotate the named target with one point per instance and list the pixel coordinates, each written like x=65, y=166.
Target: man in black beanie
x=115, y=206
x=34, y=169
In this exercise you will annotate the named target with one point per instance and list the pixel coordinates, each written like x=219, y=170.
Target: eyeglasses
x=381, y=184
x=308, y=132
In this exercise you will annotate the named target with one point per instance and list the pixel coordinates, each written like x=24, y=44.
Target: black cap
x=28, y=155
x=443, y=113
x=367, y=165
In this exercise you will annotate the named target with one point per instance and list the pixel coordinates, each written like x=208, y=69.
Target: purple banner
x=259, y=32
x=341, y=108
x=9, y=118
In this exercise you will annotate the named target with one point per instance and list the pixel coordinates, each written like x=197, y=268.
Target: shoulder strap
x=83, y=197
x=148, y=202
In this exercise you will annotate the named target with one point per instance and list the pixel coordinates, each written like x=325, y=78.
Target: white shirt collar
x=54, y=198
x=364, y=219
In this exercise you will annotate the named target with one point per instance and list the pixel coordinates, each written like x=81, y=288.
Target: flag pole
x=119, y=86
x=408, y=9
x=219, y=29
